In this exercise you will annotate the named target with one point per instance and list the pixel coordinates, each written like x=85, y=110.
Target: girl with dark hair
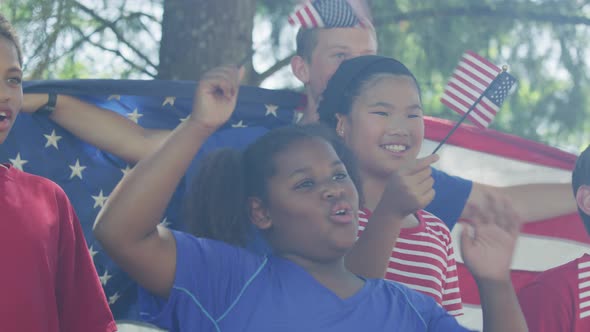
x=294, y=186
x=374, y=105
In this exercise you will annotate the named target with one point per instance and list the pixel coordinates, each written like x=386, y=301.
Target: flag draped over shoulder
x=494, y=158
x=88, y=175
x=476, y=77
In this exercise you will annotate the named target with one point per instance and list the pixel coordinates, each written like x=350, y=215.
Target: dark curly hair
x=217, y=204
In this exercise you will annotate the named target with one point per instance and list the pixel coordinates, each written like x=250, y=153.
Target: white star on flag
x=77, y=170
x=52, y=140
x=134, y=116
x=126, y=170
x=165, y=222
x=105, y=277
x=100, y=200
x=297, y=117
x=271, y=110
x=169, y=101
x=113, y=298
x=18, y=162
x=239, y=125
x=92, y=252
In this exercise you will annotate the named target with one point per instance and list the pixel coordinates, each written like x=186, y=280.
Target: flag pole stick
x=504, y=68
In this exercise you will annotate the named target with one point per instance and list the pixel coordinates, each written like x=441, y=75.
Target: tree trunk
x=198, y=35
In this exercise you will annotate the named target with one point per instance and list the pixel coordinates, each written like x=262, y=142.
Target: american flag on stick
x=477, y=89
x=326, y=14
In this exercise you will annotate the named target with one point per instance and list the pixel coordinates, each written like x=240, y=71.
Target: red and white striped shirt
x=423, y=259
x=559, y=298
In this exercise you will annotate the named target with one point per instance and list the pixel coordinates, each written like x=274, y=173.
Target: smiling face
x=11, y=93
x=385, y=128
x=312, y=203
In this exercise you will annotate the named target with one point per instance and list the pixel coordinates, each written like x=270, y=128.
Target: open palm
x=487, y=248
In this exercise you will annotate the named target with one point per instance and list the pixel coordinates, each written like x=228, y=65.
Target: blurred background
x=544, y=42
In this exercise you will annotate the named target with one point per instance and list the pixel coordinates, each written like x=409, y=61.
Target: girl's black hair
x=347, y=82
x=217, y=204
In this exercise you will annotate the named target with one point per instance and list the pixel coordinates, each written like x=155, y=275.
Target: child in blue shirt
x=295, y=186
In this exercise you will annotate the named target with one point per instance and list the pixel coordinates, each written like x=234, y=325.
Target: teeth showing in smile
x=3, y=115
x=340, y=212
x=396, y=147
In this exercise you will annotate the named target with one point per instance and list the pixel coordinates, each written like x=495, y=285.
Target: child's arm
x=407, y=191
x=127, y=227
x=487, y=250
x=557, y=200
x=451, y=293
x=102, y=128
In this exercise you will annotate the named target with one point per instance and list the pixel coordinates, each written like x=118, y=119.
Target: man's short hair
x=306, y=40
x=580, y=177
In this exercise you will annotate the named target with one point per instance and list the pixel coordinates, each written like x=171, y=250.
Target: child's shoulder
x=574, y=272
x=34, y=182
x=402, y=294
x=433, y=222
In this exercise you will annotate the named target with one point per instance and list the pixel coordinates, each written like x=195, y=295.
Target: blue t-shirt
x=451, y=191
x=450, y=197
x=218, y=287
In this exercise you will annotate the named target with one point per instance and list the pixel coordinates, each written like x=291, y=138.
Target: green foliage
x=59, y=37
x=544, y=42
x=548, y=58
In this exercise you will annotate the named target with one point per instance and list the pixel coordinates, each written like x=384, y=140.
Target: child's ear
x=259, y=215
x=300, y=69
x=583, y=198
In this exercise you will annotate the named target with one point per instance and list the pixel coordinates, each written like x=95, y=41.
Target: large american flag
x=476, y=77
x=499, y=159
x=88, y=175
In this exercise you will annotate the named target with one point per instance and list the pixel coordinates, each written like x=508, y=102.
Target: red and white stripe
x=469, y=81
x=490, y=157
x=584, y=286
x=307, y=16
x=423, y=259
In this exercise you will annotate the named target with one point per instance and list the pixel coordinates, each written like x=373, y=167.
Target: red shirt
x=558, y=300
x=47, y=281
x=423, y=259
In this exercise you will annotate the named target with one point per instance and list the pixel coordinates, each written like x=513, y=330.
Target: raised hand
x=410, y=189
x=488, y=245
x=215, y=98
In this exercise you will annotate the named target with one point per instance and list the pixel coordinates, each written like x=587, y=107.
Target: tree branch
x=502, y=12
x=83, y=38
x=118, y=53
x=118, y=34
x=258, y=78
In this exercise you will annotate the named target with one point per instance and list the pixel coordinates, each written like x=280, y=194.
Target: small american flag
x=325, y=14
x=476, y=76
